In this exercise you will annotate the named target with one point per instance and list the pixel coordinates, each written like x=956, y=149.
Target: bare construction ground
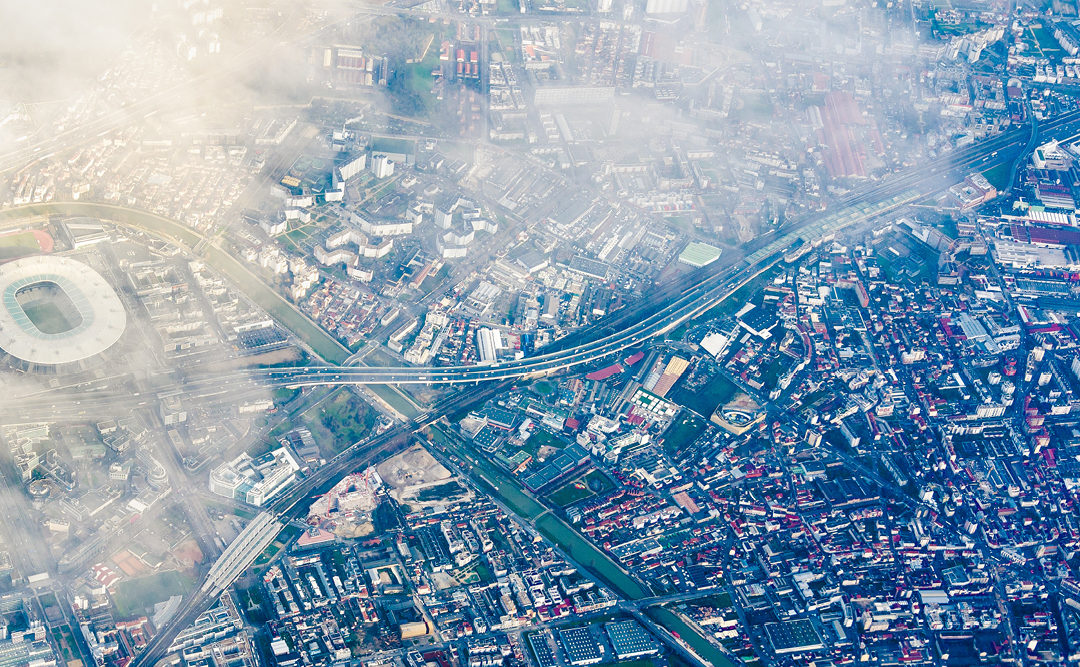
x=414, y=470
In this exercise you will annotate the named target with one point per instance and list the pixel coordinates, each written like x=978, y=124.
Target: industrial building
x=630, y=640
x=697, y=254
x=580, y=646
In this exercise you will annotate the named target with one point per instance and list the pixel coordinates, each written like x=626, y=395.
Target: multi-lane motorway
x=666, y=308
x=631, y=326
x=625, y=329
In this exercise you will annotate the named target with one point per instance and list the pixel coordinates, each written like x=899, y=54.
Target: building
x=1028, y=255
x=580, y=646
x=630, y=640
x=674, y=370
x=382, y=166
x=488, y=343
x=274, y=226
x=697, y=254
x=715, y=343
x=413, y=629
x=349, y=169
x=793, y=637
x=759, y=321
x=257, y=480
x=213, y=625
x=350, y=67
x=666, y=7
x=57, y=311
x=1052, y=157
x=20, y=653
x=554, y=95
x=973, y=191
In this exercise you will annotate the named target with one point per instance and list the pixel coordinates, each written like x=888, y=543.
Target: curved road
x=705, y=289
x=624, y=329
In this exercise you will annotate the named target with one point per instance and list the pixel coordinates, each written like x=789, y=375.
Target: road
x=626, y=328
x=290, y=506
x=668, y=306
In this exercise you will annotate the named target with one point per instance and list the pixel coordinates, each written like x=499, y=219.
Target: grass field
x=571, y=492
x=395, y=399
x=287, y=535
x=474, y=573
x=581, y=488
x=682, y=432
x=1046, y=42
x=444, y=491
x=771, y=376
x=393, y=144
x=999, y=176
x=382, y=189
x=737, y=299
x=541, y=438
x=717, y=391
x=507, y=41
x=47, y=317
x=18, y=245
x=340, y=422
x=378, y=356
x=413, y=84
x=134, y=597
x=64, y=639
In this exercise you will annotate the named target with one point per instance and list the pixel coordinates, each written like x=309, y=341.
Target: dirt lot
x=412, y=471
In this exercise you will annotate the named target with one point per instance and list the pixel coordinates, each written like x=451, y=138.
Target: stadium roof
x=101, y=315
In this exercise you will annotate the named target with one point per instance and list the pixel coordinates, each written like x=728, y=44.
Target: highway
x=668, y=306
x=665, y=309
x=75, y=404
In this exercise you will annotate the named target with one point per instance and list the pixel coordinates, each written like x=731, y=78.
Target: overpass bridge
x=666, y=309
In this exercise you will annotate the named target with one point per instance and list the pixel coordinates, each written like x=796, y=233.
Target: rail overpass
x=626, y=328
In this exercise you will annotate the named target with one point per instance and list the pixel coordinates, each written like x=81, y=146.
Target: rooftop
x=55, y=310
x=699, y=254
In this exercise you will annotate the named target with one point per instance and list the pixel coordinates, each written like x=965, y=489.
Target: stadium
x=57, y=311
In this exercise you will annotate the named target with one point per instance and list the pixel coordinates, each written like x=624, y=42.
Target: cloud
x=47, y=49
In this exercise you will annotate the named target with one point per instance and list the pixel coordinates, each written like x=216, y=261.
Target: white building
x=661, y=7
x=382, y=166
x=255, y=481
x=351, y=168
x=488, y=343
x=274, y=226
